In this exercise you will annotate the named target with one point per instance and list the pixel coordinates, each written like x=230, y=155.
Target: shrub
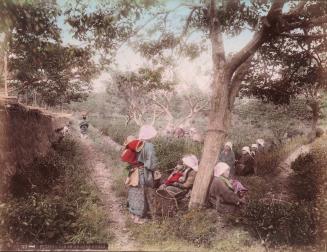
x=303, y=182
x=267, y=163
x=69, y=210
x=116, y=129
x=279, y=222
x=170, y=151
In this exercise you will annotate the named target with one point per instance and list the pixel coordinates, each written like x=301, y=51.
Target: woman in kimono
x=182, y=179
x=222, y=189
x=246, y=165
x=227, y=156
x=142, y=165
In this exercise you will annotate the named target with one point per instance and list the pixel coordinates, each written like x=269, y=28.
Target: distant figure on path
x=84, y=125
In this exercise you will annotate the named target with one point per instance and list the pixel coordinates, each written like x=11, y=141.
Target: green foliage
x=304, y=180
x=279, y=222
x=68, y=211
x=267, y=163
x=170, y=151
x=116, y=129
x=42, y=67
x=197, y=227
x=309, y=183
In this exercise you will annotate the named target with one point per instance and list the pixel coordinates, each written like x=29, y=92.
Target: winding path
x=102, y=176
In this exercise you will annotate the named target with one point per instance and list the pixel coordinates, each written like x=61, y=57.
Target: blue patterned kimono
x=137, y=198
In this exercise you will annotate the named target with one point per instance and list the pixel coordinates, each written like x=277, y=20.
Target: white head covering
x=229, y=144
x=192, y=130
x=221, y=169
x=129, y=139
x=147, y=132
x=260, y=141
x=246, y=149
x=191, y=161
x=254, y=146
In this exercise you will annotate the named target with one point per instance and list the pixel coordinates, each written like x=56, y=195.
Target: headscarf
x=191, y=161
x=229, y=144
x=246, y=149
x=260, y=141
x=254, y=146
x=129, y=139
x=221, y=169
x=147, y=132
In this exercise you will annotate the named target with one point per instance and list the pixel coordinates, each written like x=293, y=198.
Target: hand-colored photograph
x=163, y=125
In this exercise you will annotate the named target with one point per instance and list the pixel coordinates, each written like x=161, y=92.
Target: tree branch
x=307, y=24
x=313, y=36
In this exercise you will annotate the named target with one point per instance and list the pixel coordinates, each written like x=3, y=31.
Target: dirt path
x=103, y=179
x=281, y=181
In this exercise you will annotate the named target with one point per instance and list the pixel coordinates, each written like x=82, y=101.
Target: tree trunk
x=5, y=72
x=219, y=115
x=315, y=117
x=219, y=122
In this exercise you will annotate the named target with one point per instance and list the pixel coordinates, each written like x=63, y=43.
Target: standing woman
x=141, y=172
x=227, y=156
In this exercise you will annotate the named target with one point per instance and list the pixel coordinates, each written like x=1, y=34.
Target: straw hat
x=147, y=132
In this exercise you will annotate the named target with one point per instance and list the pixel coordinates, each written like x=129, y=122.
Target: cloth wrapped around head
x=147, y=132
x=221, y=169
x=191, y=161
x=255, y=146
x=229, y=144
x=246, y=149
x=261, y=142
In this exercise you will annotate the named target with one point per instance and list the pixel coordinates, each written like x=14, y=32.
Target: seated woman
x=227, y=156
x=182, y=178
x=246, y=165
x=222, y=189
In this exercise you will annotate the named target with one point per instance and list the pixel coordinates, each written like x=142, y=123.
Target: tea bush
x=309, y=183
x=68, y=210
x=303, y=183
x=279, y=222
x=116, y=129
x=170, y=151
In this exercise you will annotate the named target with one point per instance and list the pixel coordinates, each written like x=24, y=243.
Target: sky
x=195, y=72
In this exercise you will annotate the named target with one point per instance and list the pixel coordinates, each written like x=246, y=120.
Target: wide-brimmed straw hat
x=191, y=161
x=147, y=132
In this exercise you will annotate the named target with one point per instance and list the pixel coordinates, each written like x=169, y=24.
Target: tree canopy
x=38, y=62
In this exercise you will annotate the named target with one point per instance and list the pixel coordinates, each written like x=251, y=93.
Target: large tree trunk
x=5, y=72
x=315, y=116
x=219, y=115
x=219, y=122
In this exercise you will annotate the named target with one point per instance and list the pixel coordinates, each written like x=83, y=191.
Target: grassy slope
x=251, y=120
